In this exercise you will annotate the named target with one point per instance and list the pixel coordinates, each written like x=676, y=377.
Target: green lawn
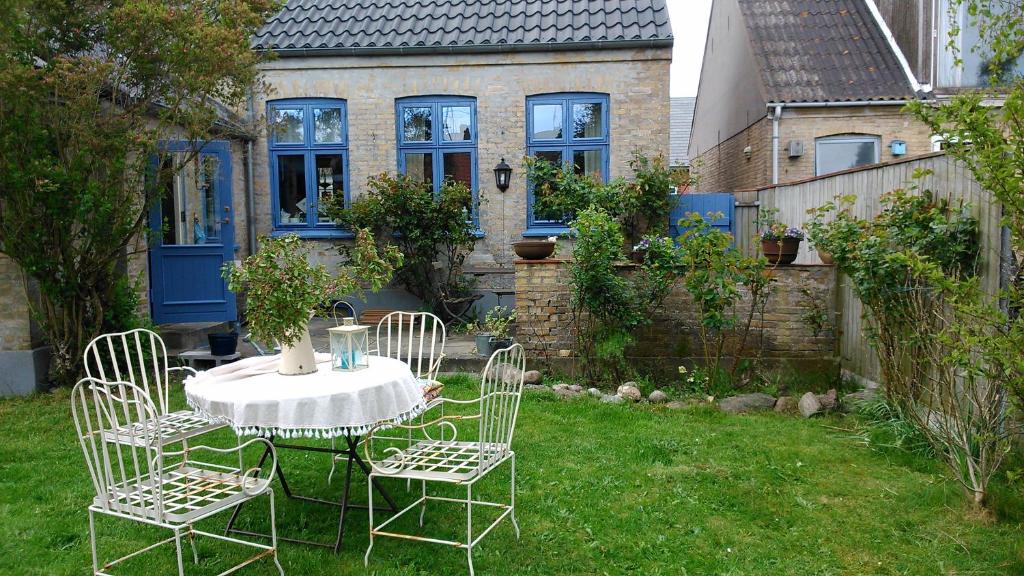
x=603, y=489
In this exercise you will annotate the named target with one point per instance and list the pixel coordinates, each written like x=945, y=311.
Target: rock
x=786, y=405
x=508, y=373
x=658, y=397
x=809, y=405
x=576, y=388
x=533, y=377
x=535, y=387
x=612, y=399
x=854, y=400
x=595, y=392
x=558, y=387
x=677, y=405
x=829, y=400
x=629, y=391
x=567, y=391
x=746, y=403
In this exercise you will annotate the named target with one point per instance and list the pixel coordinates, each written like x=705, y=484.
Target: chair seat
x=174, y=428
x=444, y=461
x=189, y=494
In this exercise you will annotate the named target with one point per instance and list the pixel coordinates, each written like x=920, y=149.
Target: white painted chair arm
x=443, y=421
x=435, y=367
x=260, y=484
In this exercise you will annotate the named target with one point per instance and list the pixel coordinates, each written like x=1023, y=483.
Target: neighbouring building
x=792, y=89
x=679, y=123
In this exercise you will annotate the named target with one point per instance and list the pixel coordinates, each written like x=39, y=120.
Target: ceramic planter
x=781, y=252
x=298, y=359
x=222, y=343
x=483, y=344
x=534, y=249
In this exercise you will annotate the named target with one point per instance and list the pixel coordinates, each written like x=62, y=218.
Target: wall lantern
x=502, y=175
x=350, y=346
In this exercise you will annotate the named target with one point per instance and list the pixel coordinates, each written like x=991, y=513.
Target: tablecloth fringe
x=319, y=433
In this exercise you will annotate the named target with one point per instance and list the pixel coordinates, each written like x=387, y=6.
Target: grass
x=603, y=489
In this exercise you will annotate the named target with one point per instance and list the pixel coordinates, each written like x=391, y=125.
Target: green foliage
x=283, y=288
x=87, y=91
x=772, y=229
x=885, y=426
x=498, y=321
x=404, y=212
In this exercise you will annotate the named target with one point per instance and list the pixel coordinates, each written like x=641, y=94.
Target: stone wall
x=544, y=316
x=637, y=82
x=15, y=322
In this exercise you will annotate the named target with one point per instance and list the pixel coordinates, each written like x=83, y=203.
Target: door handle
x=226, y=220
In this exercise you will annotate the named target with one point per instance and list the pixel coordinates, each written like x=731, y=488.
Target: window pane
x=291, y=189
x=457, y=123
x=540, y=214
x=188, y=206
x=588, y=162
x=287, y=125
x=330, y=180
x=552, y=156
x=587, y=120
x=842, y=155
x=327, y=124
x=547, y=121
x=207, y=198
x=458, y=166
x=420, y=166
x=417, y=124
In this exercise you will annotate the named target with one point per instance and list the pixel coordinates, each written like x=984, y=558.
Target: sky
x=690, y=28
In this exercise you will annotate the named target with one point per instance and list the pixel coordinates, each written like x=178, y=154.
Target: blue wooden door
x=708, y=203
x=193, y=235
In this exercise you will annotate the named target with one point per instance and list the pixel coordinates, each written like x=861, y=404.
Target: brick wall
x=544, y=316
x=637, y=82
x=15, y=322
x=725, y=168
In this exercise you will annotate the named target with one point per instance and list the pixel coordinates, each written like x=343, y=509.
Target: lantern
x=502, y=175
x=350, y=346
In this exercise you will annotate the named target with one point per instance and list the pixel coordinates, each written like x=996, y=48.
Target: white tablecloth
x=251, y=397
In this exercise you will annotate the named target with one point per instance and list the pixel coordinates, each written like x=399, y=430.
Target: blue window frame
x=437, y=140
x=308, y=141
x=571, y=129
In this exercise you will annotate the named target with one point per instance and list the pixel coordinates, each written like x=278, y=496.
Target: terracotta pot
x=825, y=257
x=298, y=358
x=533, y=249
x=780, y=252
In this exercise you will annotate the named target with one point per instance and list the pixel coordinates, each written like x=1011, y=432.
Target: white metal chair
x=457, y=462
x=121, y=436
x=140, y=357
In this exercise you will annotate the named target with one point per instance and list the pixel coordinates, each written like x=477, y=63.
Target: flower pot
x=780, y=252
x=298, y=358
x=483, y=344
x=222, y=343
x=534, y=249
x=825, y=257
x=499, y=343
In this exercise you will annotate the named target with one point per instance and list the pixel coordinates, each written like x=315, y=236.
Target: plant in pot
x=283, y=289
x=779, y=243
x=494, y=333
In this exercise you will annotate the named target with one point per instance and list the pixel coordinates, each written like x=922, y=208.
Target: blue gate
x=711, y=202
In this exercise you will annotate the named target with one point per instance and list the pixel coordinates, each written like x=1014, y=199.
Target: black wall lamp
x=502, y=175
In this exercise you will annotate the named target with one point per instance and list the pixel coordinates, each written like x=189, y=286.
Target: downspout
x=250, y=197
x=776, y=116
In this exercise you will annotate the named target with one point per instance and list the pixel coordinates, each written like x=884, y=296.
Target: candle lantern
x=350, y=346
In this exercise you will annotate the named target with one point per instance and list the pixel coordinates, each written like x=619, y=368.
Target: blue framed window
x=308, y=142
x=437, y=140
x=569, y=129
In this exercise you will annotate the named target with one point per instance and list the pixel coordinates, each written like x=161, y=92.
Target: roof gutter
x=469, y=49
x=848, y=103
x=892, y=44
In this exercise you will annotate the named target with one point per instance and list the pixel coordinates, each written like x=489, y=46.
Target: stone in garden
x=576, y=388
x=829, y=400
x=677, y=405
x=658, y=397
x=747, y=403
x=595, y=392
x=533, y=377
x=855, y=400
x=535, y=387
x=508, y=373
x=809, y=405
x=786, y=405
x=612, y=399
x=629, y=391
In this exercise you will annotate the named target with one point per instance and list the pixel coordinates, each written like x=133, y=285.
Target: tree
x=88, y=89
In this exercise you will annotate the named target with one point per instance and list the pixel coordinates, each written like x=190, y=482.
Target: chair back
x=136, y=356
x=118, y=429
x=500, y=389
x=416, y=338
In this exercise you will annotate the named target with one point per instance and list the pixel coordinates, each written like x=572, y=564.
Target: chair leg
x=513, y=497
x=369, y=489
x=469, y=527
x=334, y=463
x=423, y=507
x=177, y=550
x=273, y=532
x=92, y=543
x=192, y=545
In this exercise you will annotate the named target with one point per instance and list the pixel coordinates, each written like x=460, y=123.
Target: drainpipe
x=250, y=197
x=776, y=116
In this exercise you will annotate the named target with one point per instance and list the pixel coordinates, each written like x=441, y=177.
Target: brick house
x=429, y=88
x=791, y=89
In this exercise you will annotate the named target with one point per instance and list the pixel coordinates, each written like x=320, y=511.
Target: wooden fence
x=947, y=179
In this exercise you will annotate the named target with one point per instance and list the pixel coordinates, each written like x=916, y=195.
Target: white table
x=252, y=398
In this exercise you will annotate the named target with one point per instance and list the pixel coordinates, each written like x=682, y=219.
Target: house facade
x=799, y=88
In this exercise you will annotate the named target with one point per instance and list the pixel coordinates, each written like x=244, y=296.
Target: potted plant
x=780, y=244
x=283, y=289
x=494, y=332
